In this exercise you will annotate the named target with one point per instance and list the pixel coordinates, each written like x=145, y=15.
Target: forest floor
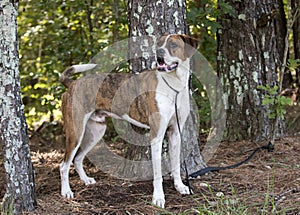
x=268, y=184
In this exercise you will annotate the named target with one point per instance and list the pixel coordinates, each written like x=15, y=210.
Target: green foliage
x=232, y=203
x=269, y=198
x=203, y=105
x=54, y=35
x=219, y=204
x=293, y=64
x=275, y=101
x=205, y=14
x=202, y=18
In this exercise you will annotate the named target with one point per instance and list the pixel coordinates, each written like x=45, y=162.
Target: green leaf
x=285, y=100
x=293, y=64
x=227, y=8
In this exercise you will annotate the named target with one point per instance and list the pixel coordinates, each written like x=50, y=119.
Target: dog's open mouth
x=163, y=67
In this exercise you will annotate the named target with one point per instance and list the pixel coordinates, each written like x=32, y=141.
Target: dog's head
x=172, y=50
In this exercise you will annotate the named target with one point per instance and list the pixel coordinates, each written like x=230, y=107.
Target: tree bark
x=248, y=57
x=115, y=11
x=20, y=184
x=281, y=31
x=296, y=36
x=153, y=19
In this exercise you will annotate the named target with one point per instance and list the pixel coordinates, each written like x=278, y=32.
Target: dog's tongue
x=162, y=67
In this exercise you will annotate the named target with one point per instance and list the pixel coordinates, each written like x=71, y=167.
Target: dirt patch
x=271, y=180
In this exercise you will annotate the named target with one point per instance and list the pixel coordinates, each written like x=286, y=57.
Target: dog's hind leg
x=71, y=145
x=93, y=133
x=73, y=141
x=64, y=173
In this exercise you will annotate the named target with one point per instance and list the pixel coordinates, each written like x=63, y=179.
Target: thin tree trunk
x=152, y=19
x=89, y=5
x=296, y=36
x=115, y=10
x=20, y=184
x=248, y=57
x=281, y=31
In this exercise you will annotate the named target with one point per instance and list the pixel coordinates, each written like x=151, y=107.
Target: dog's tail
x=65, y=77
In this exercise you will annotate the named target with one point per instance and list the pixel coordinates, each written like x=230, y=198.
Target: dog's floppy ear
x=191, y=45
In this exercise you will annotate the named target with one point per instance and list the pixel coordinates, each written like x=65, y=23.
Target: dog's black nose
x=160, y=53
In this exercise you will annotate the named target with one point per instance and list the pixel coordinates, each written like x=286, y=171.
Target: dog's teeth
x=162, y=66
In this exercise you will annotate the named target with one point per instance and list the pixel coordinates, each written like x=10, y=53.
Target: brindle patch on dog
x=129, y=94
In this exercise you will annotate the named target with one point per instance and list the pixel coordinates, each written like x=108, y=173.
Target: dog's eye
x=173, y=45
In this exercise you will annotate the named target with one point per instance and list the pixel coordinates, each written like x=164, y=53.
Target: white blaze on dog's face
x=173, y=50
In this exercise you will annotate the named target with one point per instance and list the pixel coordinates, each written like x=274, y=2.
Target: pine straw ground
x=268, y=184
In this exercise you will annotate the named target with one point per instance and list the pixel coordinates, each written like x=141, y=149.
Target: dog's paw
x=66, y=191
x=159, y=202
x=158, y=198
x=89, y=180
x=67, y=194
x=182, y=189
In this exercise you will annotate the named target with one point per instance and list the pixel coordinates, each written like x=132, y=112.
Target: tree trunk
x=115, y=10
x=152, y=19
x=296, y=36
x=20, y=186
x=247, y=58
x=281, y=31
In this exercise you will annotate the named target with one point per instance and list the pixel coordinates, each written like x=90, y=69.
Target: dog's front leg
x=158, y=193
x=174, y=139
x=158, y=127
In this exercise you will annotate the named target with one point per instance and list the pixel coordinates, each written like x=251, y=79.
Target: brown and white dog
x=146, y=100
